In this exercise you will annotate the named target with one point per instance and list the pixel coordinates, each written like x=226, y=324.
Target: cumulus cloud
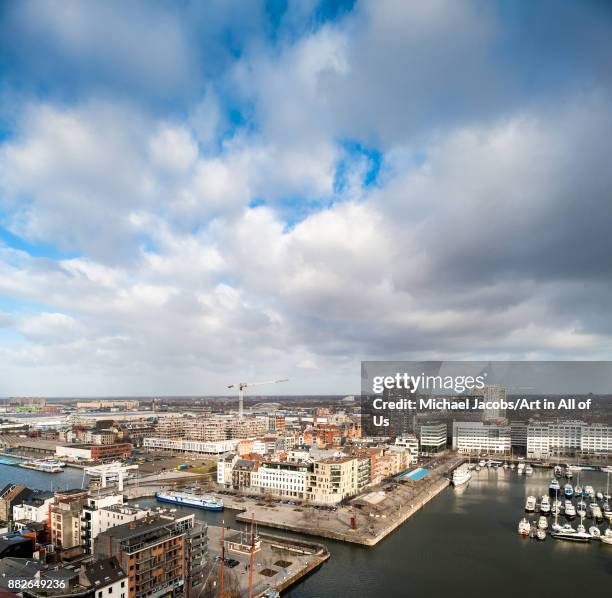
x=374, y=185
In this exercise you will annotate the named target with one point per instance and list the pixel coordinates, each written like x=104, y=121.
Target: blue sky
x=197, y=192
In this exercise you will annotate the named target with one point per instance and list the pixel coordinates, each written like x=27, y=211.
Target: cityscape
x=305, y=298
x=120, y=486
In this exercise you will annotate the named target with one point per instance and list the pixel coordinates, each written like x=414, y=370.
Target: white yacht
x=554, y=487
x=542, y=522
x=530, y=504
x=595, y=531
x=520, y=468
x=590, y=492
x=567, y=532
x=545, y=505
x=599, y=495
x=524, y=527
x=606, y=538
x=528, y=470
x=570, y=509
x=461, y=475
x=541, y=535
x=558, y=471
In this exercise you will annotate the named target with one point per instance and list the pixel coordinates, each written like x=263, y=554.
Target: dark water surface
x=463, y=543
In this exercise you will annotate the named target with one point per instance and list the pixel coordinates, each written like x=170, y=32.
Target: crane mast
x=241, y=387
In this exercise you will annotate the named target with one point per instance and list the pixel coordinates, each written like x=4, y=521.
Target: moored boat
x=461, y=475
x=524, y=527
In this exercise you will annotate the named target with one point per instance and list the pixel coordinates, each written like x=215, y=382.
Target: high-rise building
x=492, y=394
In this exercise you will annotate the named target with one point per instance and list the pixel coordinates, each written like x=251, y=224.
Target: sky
x=194, y=194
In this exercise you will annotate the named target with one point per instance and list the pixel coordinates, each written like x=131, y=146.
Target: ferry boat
x=461, y=475
x=530, y=504
x=42, y=465
x=208, y=503
x=568, y=490
x=554, y=487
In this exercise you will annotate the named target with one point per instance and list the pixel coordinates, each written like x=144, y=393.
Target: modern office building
x=433, y=437
x=478, y=437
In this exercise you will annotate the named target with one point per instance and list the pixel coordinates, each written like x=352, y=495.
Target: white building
x=283, y=479
x=190, y=447
x=554, y=439
x=102, y=513
x=225, y=466
x=596, y=439
x=35, y=508
x=567, y=439
x=410, y=442
x=479, y=437
x=493, y=396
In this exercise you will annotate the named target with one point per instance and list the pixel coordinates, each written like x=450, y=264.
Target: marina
x=471, y=528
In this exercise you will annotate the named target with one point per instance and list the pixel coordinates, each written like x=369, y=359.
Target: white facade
x=409, y=442
x=282, y=479
x=28, y=512
x=195, y=447
x=481, y=437
x=596, y=438
x=567, y=438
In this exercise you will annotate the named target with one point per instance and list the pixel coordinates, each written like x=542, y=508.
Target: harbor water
x=463, y=543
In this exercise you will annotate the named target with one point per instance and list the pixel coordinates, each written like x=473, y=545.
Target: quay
x=366, y=520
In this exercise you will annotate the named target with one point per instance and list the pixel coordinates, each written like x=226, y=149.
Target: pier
x=366, y=520
x=278, y=564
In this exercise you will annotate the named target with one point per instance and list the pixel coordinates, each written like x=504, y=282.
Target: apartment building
x=102, y=513
x=34, y=508
x=66, y=528
x=478, y=437
x=190, y=447
x=331, y=480
x=283, y=479
x=158, y=553
x=409, y=442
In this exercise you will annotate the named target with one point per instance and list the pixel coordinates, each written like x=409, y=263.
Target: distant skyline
x=195, y=194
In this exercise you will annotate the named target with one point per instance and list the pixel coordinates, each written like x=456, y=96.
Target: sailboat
x=556, y=527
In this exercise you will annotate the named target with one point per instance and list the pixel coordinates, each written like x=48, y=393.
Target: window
x=123, y=584
x=99, y=594
x=110, y=590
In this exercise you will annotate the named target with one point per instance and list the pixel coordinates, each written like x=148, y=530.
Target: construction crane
x=242, y=385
